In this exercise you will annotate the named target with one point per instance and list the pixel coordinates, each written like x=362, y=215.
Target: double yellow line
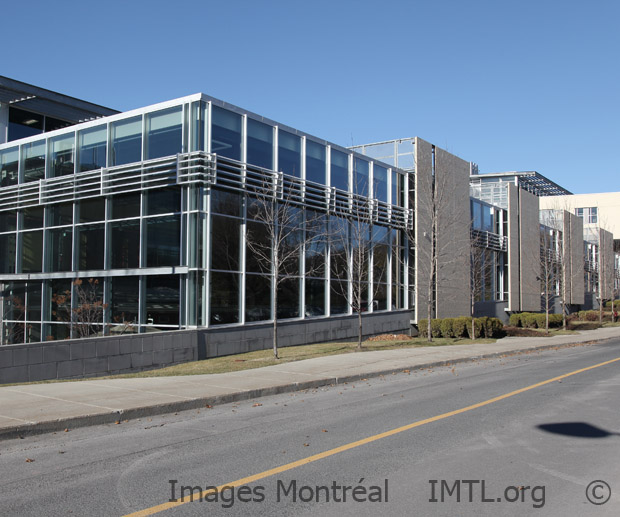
x=331, y=452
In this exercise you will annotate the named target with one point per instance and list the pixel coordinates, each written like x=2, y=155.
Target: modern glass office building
x=153, y=206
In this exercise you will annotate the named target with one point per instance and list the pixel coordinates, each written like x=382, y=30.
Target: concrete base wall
x=78, y=358
x=492, y=310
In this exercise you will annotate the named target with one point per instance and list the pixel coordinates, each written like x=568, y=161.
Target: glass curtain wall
x=134, y=237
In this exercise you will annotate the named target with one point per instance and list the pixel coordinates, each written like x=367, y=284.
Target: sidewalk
x=40, y=408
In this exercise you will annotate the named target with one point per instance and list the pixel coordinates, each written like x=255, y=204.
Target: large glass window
x=380, y=182
x=225, y=239
x=339, y=170
x=8, y=221
x=164, y=133
x=162, y=301
x=91, y=240
x=260, y=144
x=315, y=298
x=60, y=249
x=227, y=203
x=7, y=253
x=60, y=215
x=92, y=210
x=126, y=141
x=163, y=241
x=125, y=206
x=257, y=298
x=124, y=307
x=289, y=154
x=224, y=303
x=34, y=161
x=92, y=148
x=9, y=162
x=33, y=217
x=226, y=133
x=32, y=252
x=125, y=240
x=315, y=162
x=24, y=123
x=288, y=298
x=62, y=149
x=360, y=176
x=163, y=201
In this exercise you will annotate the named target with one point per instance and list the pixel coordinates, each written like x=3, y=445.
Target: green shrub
x=541, y=320
x=422, y=327
x=515, y=320
x=446, y=326
x=528, y=320
x=459, y=326
x=493, y=328
x=436, y=327
x=477, y=328
x=591, y=316
x=555, y=320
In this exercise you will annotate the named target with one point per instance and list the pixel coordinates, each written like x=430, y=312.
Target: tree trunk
x=359, y=329
x=275, y=321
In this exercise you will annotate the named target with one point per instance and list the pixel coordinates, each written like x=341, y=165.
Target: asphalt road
x=533, y=452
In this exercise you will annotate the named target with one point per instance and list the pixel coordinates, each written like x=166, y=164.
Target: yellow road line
x=331, y=452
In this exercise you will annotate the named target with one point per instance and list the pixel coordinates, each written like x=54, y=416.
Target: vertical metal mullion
x=242, y=258
x=206, y=259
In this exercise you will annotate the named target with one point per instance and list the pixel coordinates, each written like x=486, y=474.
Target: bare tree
x=84, y=314
x=277, y=234
x=12, y=319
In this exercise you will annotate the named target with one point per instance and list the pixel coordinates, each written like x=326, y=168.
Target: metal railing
x=204, y=169
x=489, y=240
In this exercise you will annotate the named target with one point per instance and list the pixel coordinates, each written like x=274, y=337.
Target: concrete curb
x=49, y=426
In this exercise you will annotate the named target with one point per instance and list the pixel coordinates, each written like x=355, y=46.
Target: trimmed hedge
x=534, y=320
x=461, y=327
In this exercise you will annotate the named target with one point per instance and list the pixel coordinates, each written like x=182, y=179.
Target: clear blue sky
x=528, y=85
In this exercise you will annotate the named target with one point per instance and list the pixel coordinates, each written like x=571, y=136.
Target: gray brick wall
x=124, y=354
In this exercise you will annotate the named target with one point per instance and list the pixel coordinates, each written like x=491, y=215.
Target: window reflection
x=92, y=148
x=225, y=236
x=257, y=298
x=32, y=252
x=162, y=301
x=226, y=133
x=62, y=155
x=125, y=244
x=260, y=144
x=380, y=183
x=289, y=154
x=60, y=249
x=91, y=239
x=224, y=302
x=126, y=141
x=163, y=241
x=7, y=253
x=124, y=307
x=339, y=170
x=34, y=161
x=9, y=161
x=164, y=133
x=315, y=162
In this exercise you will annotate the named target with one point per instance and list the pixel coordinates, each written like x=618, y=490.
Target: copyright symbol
x=598, y=492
